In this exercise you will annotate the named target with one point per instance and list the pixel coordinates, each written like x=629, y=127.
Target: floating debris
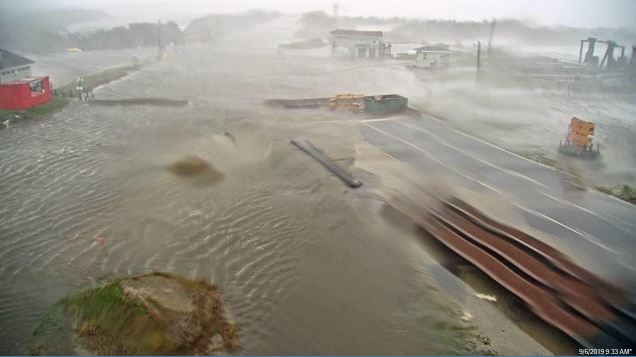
x=486, y=297
x=327, y=162
x=466, y=316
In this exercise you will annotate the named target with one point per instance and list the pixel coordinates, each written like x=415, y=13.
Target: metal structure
x=385, y=104
x=593, y=312
x=609, y=55
x=608, y=60
x=589, y=55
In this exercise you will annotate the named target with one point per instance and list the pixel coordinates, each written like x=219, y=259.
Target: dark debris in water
x=195, y=166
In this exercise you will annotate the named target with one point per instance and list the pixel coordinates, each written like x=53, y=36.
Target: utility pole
x=492, y=31
x=159, y=37
x=478, y=56
x=478, y=73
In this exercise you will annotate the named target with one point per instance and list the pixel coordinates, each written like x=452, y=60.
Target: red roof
x=357, y=33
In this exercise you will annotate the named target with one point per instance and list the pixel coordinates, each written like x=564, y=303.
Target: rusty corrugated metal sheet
x=560, y=292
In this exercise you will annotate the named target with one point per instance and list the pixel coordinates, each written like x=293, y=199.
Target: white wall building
x=432, y=57
x=359, y=44
x=13, y=67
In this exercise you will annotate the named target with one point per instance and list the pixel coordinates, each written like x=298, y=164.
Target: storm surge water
x=91, y=193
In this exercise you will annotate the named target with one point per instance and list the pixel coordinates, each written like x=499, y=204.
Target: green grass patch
x=93, y=81
x=126, y=317
x=540, y=158
x=623, y=192
x=117, y=324
x=38, y=111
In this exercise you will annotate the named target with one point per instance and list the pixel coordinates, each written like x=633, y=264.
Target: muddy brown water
x=305, y=265
x=300, y=266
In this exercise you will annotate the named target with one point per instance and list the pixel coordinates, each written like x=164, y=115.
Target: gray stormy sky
x=575, y=13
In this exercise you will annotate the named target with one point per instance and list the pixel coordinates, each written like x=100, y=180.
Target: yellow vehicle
x=578, y=140
x=349, y=102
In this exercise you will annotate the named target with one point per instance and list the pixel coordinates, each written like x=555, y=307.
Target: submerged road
x=597, y=231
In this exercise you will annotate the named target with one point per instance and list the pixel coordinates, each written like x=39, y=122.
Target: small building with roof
x=358, y=44
x=13, y=66
x=435, y=56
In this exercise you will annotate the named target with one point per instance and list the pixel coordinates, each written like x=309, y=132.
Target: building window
x=28, y=67
x=12, y=71
x=375, y=41
x=37, y=86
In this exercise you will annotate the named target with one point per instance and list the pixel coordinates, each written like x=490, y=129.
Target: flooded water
x=305, y=265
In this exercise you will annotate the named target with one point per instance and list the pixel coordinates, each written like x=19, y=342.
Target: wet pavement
x=595, y=230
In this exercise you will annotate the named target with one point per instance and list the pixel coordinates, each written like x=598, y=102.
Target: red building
x=25, y=93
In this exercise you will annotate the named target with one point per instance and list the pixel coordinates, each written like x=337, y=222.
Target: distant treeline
x=507, y=29
x=40, y=30
x=318, y=24
x=135, y=35
x=205, y=29
x=46, y=30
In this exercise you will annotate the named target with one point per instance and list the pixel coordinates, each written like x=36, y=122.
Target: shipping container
x=385, y=104
x=25, y=93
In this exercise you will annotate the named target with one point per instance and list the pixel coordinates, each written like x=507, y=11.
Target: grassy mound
x=155, y=314
x=95, y=80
